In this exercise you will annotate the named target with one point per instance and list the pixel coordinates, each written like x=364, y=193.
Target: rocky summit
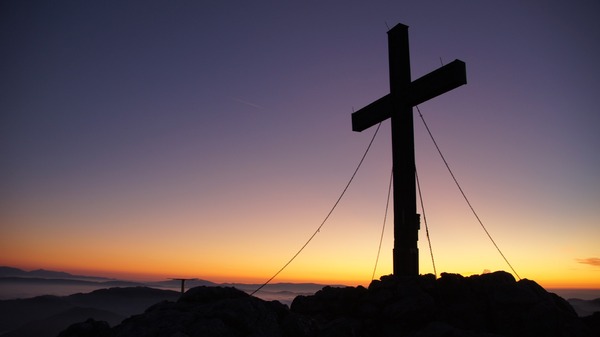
x=492, y=304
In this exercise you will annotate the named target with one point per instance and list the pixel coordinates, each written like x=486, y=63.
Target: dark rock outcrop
x=208, y=311
x=460, y=306
x=483, y=305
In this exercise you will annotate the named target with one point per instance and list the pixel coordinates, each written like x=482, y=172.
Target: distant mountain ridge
x=11, y=276
x=48, y=274
x=8, y=274
x=46, y=316
x=42, y=276
x=67, y=281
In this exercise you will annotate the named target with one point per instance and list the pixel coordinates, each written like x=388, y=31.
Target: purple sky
x=224, y=128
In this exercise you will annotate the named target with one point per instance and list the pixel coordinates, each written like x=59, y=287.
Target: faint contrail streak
x=247, y=103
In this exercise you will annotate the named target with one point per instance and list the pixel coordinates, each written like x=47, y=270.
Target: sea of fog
x=285, y=293
x=13, y=290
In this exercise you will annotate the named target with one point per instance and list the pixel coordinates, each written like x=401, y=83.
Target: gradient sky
x=209, y=139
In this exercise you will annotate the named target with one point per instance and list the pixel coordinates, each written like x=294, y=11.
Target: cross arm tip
x=372, y=114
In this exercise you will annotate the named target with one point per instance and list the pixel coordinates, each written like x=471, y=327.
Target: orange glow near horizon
x=237, y=260
x=139, y=273
x=343, y=253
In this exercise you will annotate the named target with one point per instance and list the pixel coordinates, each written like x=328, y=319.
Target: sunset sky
x=153, y=139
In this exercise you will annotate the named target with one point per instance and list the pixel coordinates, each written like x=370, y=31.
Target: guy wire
x=425, y=221
x=387, y=204
x=328, y=214
x=465, y=196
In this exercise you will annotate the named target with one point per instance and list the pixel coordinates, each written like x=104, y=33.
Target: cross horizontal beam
x=435, y=83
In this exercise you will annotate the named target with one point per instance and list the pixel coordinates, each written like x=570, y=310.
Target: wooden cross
x=397, y=105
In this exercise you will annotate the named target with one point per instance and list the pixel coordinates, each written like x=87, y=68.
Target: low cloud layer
x=592, y=261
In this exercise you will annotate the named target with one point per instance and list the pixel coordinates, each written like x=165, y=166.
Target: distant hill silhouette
x=47, y=315
x=47, y=274
x=585, y=307
x=67, y=281
x=492, y=304
x=41, y=276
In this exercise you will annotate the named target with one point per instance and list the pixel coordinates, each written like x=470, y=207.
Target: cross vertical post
x=397, y=106
x=406, y=221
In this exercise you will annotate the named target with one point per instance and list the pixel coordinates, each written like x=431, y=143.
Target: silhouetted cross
x=183, y=282
x=397, y=106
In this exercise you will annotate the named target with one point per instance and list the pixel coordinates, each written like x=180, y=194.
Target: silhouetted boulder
x=205, y=294
x=483, y=305
x=208, y=311
x=89, y=328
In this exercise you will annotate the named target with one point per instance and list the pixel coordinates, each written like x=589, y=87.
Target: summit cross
x=397, y=105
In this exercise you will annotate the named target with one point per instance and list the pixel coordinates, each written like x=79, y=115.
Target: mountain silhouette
x=493, y=304
x=46, y=316
x=6, y=272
